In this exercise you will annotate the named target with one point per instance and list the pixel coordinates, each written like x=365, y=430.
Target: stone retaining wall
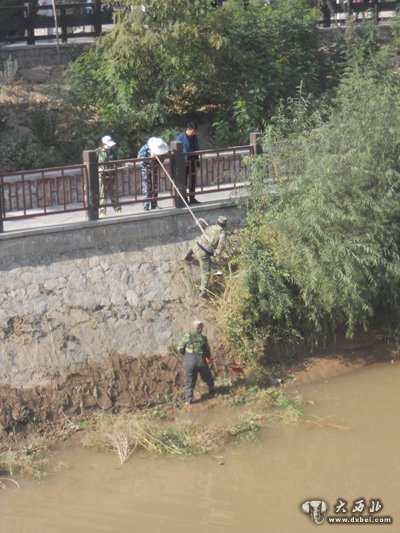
x=78, y=294
x=30, y=56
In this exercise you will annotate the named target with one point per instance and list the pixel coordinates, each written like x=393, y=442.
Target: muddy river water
x=348, y=450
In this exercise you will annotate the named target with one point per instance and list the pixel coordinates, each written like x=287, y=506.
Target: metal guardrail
x=18, y=23
x=40, y=192
x=339, y=10
x=212, y=170
x=44, y=191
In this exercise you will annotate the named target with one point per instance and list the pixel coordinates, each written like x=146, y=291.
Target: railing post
x=326, y=14
x=97, y=18
x=178, y=171
x=375, y=7
x=1, y=206
x=63, y=23
x=90, y=161
x=30, y=27
x=255, y=142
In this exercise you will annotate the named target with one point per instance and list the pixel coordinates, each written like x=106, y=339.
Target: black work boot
x=194, y=201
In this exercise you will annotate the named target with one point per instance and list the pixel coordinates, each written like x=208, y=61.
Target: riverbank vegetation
x=321, y=247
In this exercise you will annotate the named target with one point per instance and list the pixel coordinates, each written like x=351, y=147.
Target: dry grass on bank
x=181, y=433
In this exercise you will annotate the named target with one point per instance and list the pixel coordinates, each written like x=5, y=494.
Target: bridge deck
x=128, y=211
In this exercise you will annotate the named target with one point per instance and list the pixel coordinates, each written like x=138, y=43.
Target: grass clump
x=273, y=404
x=240, y=395
x=121, y=444
x=285, y=408
x=179, y=436
x=175, y=433
x=25, y=458
x=247, y=426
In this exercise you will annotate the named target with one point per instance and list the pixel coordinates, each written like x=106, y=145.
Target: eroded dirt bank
x=121, y=383
x=135, y=383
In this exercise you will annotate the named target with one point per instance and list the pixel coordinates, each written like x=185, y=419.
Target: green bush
x=43, y=123
x=19, y=153
x=321, y=248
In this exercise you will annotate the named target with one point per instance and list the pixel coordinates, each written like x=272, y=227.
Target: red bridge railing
x=44, y=191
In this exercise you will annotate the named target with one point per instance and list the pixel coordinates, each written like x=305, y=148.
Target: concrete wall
x=42, y=54
x=79, y=293
x=330, y=36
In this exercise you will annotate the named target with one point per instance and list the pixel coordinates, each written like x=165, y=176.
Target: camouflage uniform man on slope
x=204, y=247
x=195, y=347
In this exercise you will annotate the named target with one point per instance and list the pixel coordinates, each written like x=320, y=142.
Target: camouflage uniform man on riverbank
x=194, y=346
x=209, y=244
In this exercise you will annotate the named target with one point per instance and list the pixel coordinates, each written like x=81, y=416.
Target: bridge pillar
x=178, y=171
x=90, y=161
x=255, y=142
x=30, y=12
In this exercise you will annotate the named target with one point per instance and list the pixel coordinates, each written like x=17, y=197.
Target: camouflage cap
x=222, y=221
x=197, y=324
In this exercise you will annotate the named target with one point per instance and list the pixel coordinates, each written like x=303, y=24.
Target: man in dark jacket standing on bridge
x=190, y=144
x=194, y=346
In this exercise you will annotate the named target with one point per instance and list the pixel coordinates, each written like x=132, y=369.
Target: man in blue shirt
x=190, y=144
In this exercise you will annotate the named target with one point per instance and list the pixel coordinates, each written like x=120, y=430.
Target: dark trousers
x=191, y=177
x=194, y=365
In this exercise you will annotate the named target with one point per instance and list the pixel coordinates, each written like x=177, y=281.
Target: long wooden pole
x=53, y=3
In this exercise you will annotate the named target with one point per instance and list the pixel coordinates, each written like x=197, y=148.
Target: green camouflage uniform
x=195, y=347
x=107, y=180
x=206, y=246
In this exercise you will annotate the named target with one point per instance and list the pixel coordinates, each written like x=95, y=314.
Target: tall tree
x=165, y=58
